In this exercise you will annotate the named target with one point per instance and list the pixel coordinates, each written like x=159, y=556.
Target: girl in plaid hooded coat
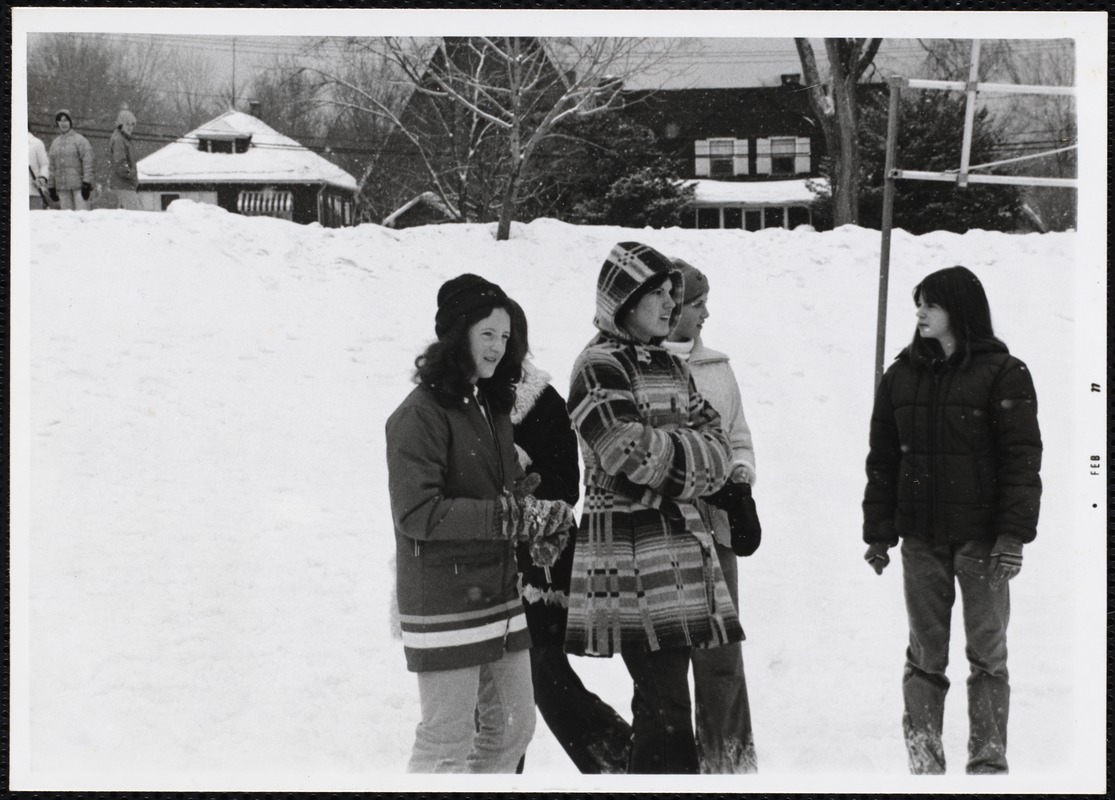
x=646, y=580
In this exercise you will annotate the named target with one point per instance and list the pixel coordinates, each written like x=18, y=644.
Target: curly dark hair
x=447, y=363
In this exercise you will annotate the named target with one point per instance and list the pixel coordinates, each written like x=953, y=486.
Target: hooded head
x=125, y=117
x=63, y=112
x=629, y=272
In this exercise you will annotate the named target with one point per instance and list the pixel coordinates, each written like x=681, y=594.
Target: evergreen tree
x=930, y=133
x=607, y=170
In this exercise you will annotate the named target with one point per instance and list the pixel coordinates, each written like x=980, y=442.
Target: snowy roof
x=271, y=157
x=753, y=193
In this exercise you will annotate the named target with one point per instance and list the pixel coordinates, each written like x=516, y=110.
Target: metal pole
x=234, y=72
x=888, y=214
x=969, y=113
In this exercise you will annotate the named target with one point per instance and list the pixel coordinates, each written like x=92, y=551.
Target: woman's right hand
x=523, y=518
x=876, y=556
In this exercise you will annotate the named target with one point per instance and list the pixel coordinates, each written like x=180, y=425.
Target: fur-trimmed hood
x=528, y=390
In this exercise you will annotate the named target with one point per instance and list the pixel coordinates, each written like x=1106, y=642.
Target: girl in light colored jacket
x=71, y=166
x=725, y=742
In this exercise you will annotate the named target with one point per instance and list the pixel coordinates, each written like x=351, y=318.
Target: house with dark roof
x=238, y=162
x=749, y=152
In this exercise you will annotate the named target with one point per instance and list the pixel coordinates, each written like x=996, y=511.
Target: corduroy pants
x=725, y=742
x=475, y=719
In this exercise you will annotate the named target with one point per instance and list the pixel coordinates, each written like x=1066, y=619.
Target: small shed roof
x=753, y=193
x=271, y=157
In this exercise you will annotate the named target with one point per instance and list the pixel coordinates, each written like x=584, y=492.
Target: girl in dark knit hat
x=459, y=511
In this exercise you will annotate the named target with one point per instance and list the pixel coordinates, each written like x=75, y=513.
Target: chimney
x=254, y=108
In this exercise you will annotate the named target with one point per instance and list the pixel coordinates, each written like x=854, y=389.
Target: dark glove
x=743, y=517
x=877, y=557
x=1006, y=560
x=53, y=194
x=86, y=190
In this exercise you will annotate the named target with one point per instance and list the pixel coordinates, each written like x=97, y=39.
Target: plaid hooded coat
x=645, y=573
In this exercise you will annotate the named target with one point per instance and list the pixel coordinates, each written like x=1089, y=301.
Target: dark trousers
x=930, y=575
x=594, y=736
x=725, y=742
x=662, y=726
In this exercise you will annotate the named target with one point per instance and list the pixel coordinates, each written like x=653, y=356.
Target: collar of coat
x=694, y=351
x=528, y=390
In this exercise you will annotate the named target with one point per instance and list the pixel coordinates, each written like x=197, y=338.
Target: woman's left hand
x=1006, y=560
x=742, y=473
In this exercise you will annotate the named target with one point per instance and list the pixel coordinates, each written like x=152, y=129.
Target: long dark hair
x=959, y=292
x=519, y=327
x=447, y=364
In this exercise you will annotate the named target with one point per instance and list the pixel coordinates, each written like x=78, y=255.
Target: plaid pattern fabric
x=641, y=577
x=644, y=570
x=627, y=267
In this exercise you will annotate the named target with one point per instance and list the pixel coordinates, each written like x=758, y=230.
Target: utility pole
x=234, y=73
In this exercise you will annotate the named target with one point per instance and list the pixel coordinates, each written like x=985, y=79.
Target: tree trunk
x=846, y=194
x=510, y=201
x=843, y=58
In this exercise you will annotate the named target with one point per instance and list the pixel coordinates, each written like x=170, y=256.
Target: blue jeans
x=930, y=575
x=661, y=712
x=475, y=719
x=725, y=742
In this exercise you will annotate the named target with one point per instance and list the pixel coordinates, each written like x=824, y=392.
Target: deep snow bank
x=209, y=522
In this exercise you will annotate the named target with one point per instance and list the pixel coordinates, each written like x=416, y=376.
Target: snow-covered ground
x=202, y=531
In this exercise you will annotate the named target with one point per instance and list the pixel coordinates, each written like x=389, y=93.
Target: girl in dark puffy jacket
x=952, y=471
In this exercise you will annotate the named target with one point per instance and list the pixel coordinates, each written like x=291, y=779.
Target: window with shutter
x=722, y=157
x=783, y=151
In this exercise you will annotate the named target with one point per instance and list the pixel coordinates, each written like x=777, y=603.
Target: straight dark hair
x=960, y=294
x=447, y=364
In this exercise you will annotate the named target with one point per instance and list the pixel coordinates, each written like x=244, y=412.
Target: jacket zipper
x=486, y=412
x=932, y=453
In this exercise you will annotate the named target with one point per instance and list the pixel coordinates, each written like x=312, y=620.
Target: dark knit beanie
x=696, y=284
x=460, y=296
